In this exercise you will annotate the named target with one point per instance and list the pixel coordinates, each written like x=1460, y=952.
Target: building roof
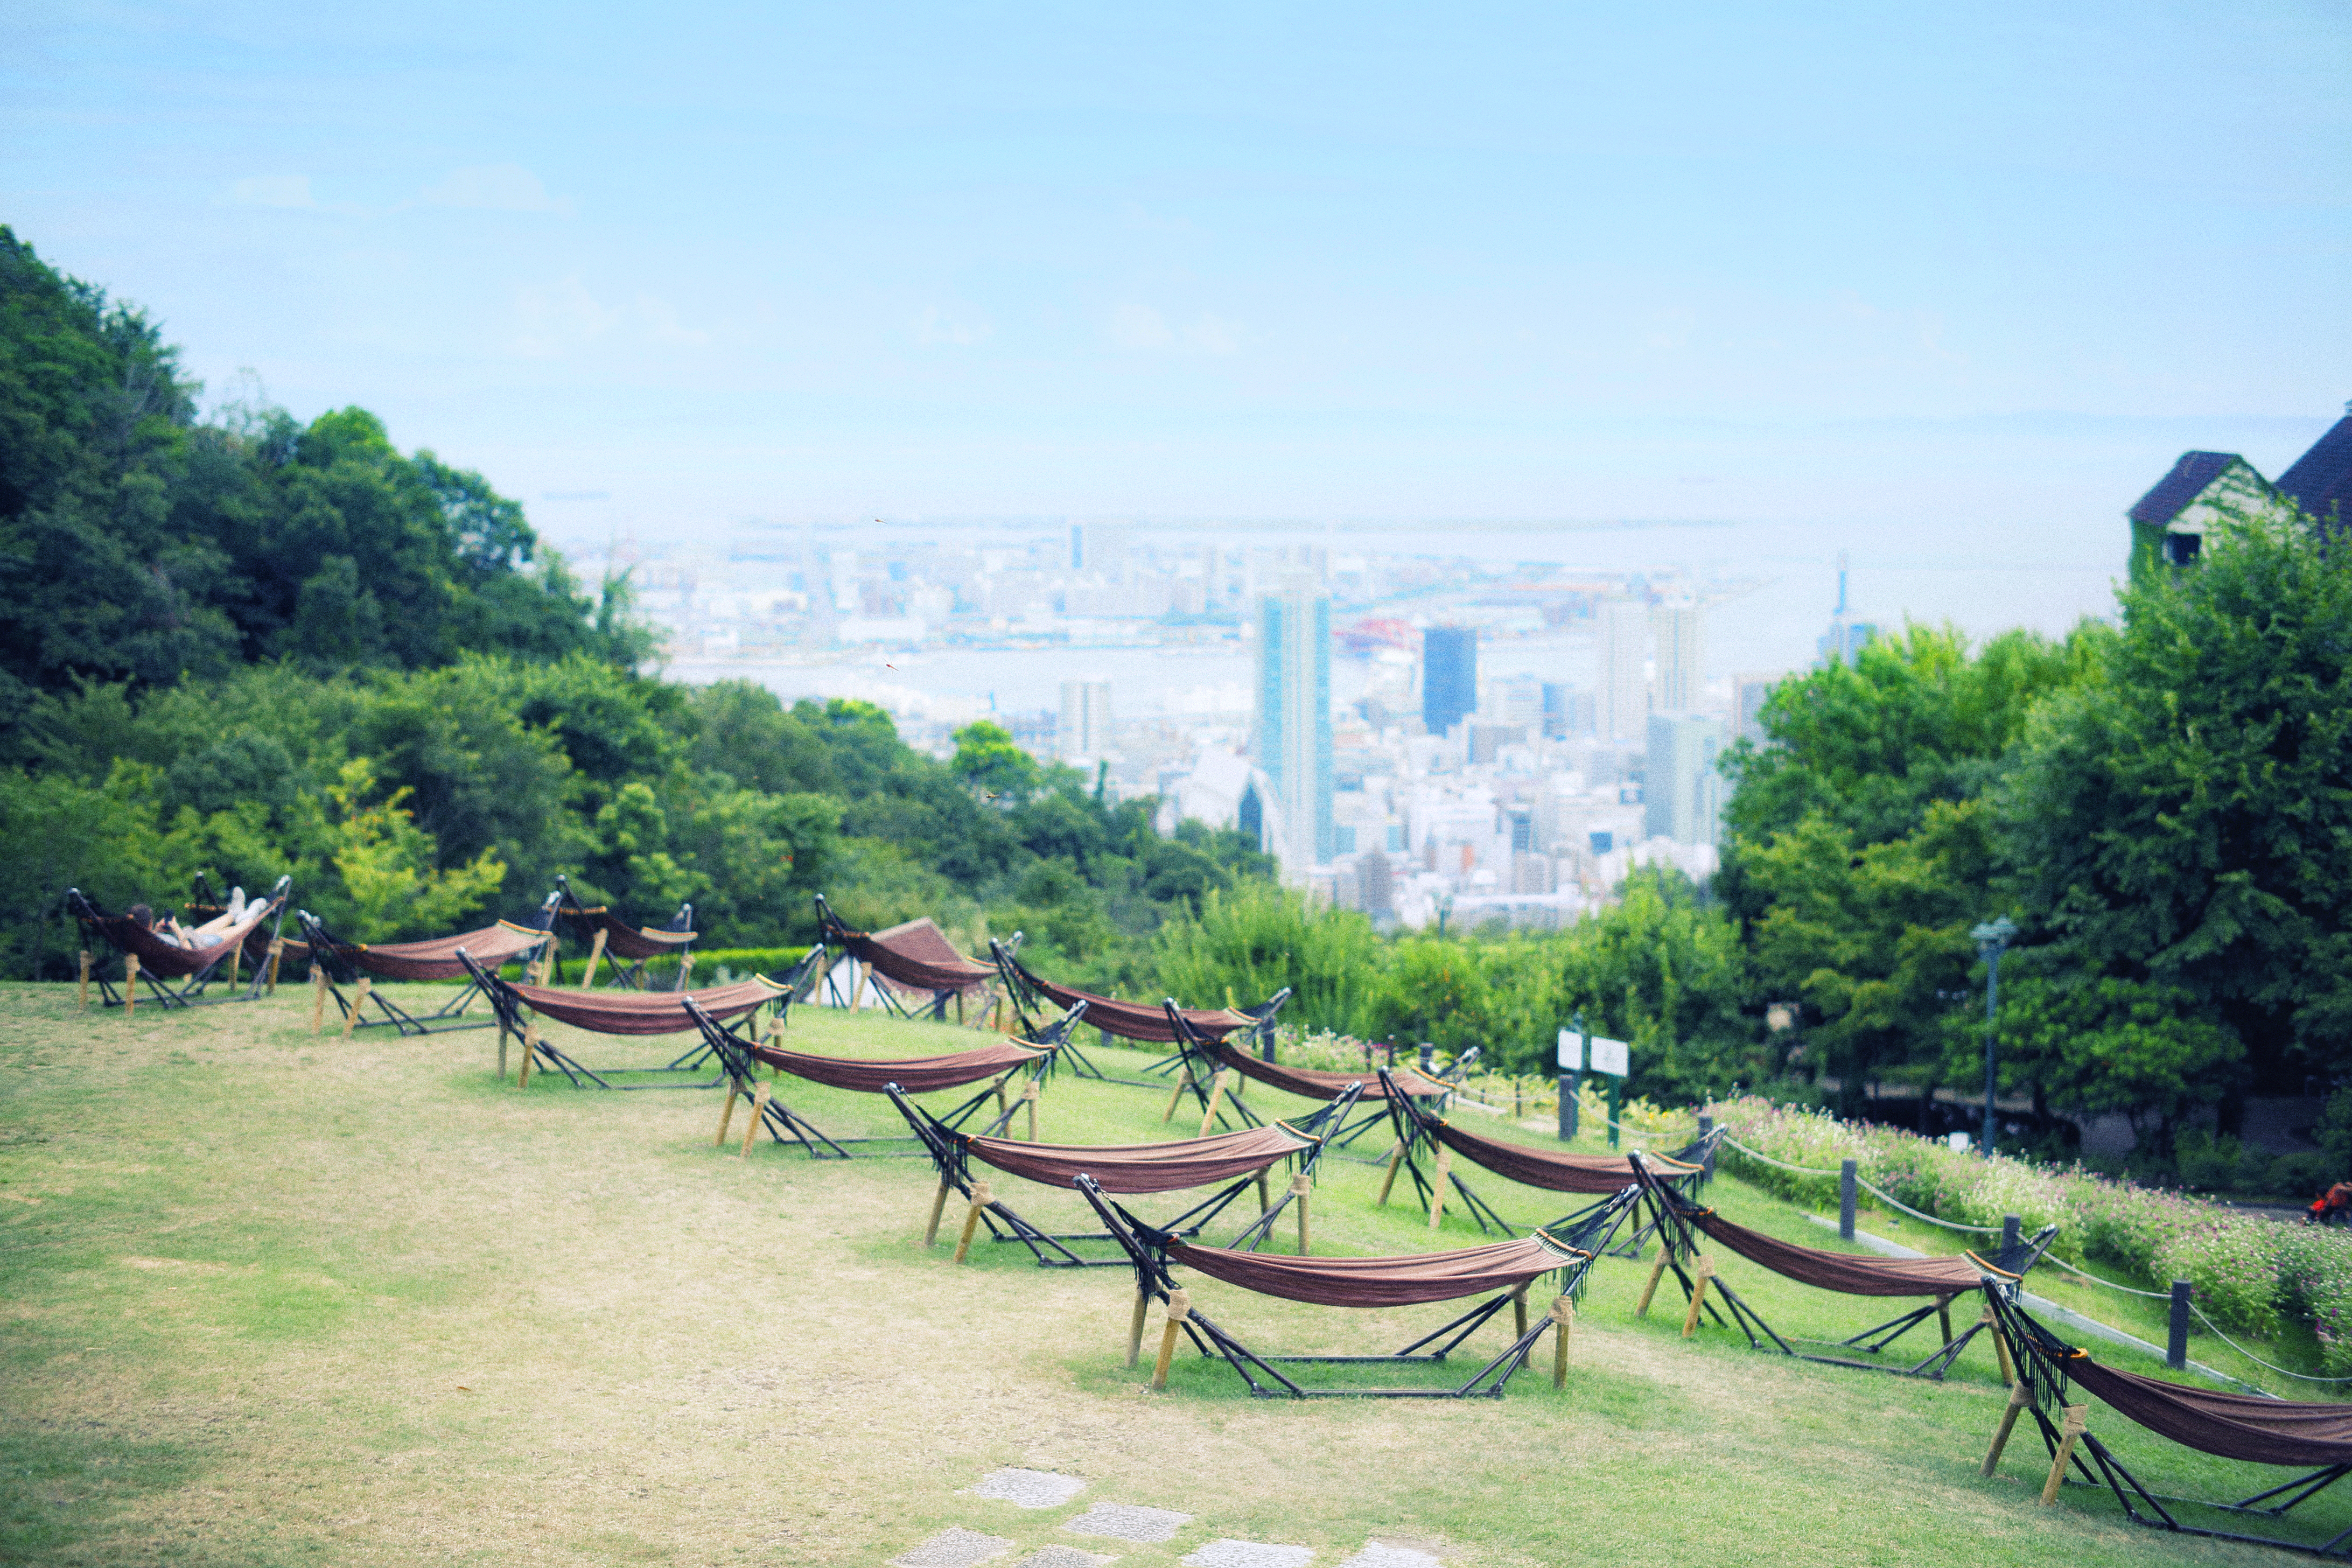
x=2184, y=484
x=2321, y=480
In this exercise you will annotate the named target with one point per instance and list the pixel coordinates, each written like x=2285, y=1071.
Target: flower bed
x=2249, y=1274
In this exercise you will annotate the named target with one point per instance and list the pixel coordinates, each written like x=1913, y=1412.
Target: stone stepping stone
x=1377, y=1555
x=1250, y=1554
x=956, y=1548
x=1063, y=1557
x=1029, y=1489
x=1126, y=1522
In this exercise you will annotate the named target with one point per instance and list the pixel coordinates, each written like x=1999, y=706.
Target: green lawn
x=272, y=1298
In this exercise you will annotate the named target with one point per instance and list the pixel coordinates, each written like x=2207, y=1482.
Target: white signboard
x=1611, y=1057
x=1571, y=1051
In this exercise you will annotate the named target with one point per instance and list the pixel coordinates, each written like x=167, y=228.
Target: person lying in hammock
x=2333, y=1206
x=178, y=935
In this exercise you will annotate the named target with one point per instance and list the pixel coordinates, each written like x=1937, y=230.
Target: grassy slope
x=277, y=1299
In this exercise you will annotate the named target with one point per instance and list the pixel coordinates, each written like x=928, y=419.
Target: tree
x=992, y=763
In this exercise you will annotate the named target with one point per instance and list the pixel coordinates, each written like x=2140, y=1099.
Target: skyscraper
x=1624, y=694
x=1680, y=683
x=1291, y=738
x=1682, y=793
x=1449, y=676
x=1846, y=636
x=1086, y=720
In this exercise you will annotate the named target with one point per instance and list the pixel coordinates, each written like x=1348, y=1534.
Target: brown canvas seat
x=607, y=933
x=335, y=963
x=907, y=962
x=159, y=960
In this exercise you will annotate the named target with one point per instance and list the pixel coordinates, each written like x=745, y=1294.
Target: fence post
x=1706, y=1151
x=2176, y=1344
x=1567, y=1107
x=1616, y=1106
x=1427, y=1051
x=1846, y=1172
x=2012, y=1227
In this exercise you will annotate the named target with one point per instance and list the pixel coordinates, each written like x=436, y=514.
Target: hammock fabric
x=916, y=1074
x=1128, y=1168
x=624, y=939
x=917, y=955
x=437, y=959
x=1846, y=1274
x=1314, y=1083
x=646, y=1012
x=157, y=956
x=1555, y=1172
x=2229, y=1426
x=1381, y=1281
x=1134, y=1021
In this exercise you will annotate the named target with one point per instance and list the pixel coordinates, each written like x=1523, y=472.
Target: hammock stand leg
x=2020, y=1398
x=1044, y=1246
x=786, y=1125
x=1873, y=1340
x=2310, y=1486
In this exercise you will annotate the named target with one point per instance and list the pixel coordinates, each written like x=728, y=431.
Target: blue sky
x=1984, y=268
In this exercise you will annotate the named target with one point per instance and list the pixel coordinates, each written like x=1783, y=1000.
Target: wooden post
x=1396, y=1158
x=958, y=997
x=359, y=1000
x=981, y=1198
x=1030, y=1094
x=1563, y=1313
x=502, y=1050
x=1135, y=1326
x=234, y=954
x=85, y=980
x=2075, y=1422
x=2000, y=1346
x=1262, y=1203
x=726, y=1115
x=1519, y=1313
x=529, y=1051
x=319, y=999
x=686, y=971
x=752, y=1128
x=1302, y=1187
x=1943, y=1317
x=1216, y=1095
x=2018, y=1398
x=277, y=956
x=1437, y=1188
x=854, y=988
x=1657, y=1273
x=129, y=983
x=1180, y=1307
x=1705, y=1272
x=939, y=1208
x=1182, y=1083
x=595, y=957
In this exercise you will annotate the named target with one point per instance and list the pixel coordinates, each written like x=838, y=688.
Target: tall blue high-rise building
x=1449, y=677
x=1292, y=738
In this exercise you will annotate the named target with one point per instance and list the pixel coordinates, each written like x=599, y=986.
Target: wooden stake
x=1657, y=1273
x=129, y=983
x=1943, y=1317
x=595, y=957
x=1563, y=1313
x=1302, y=1187
x=939, y=1208
x=2076, y=1421
x=1262, y=1203
x=1519, y=1313
x=529, y=1051
x=1396, y=1158
x=359, y=1000
x=1135, y=1326
x=502, y=1050
x=1437, y=1188
x=2000, y=1346
x=85, y=980
x=2018, y=1398
x=726, y=1115
x=1182, y=1083
x=1705, y=1272
x=854, y=989
x=981, y=1199
x=1180, y=1307
x=686, y=971
x=319, y=999
x=234, y=954
x=277, y=956
x=752, y=1128
x=1216, y=1096
x=1030, y=1094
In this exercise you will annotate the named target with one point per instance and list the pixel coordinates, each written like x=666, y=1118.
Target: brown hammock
x=157, y=956
x=1381, y=1281
x=1133, y=1020
x=1551, y=1170
x=1316, y=1083
x=624, y=939
x=644, y=1012
x=916, y=1074
x=437, y=959
x=917, y=955
x=1128, y=1168
x=1845, y=1273
x=2263, y=1431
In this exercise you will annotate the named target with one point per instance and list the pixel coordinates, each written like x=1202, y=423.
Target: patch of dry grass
x=272, y=1298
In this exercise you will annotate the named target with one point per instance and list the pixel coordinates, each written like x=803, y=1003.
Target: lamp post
x=1992, y=937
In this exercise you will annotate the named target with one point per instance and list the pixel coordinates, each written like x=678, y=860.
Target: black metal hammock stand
x=1509, y=1268
x=607, y=934
x=335, y=964
x=520, y=1009
x=1033, y=997
x=178, y=976
x=740, y=1058
x=2052, y=1376
x=1680, y=1222
x=1131, y=1169
x=915, y=957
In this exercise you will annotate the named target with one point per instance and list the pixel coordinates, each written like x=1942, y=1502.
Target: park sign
x=1611, y=1056
x=1571, y=1051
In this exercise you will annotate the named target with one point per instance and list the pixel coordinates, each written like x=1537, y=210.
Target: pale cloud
x=274, y=191
x=937, y=326
x=494, y=187
x=658, y=320
x=555, y=318
x=1141, y=327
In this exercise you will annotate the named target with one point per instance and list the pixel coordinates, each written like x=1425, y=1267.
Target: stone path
x=1106, y=1523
